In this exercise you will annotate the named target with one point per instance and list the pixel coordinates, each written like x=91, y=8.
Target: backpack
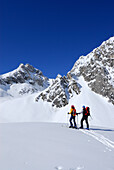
x=87, y=111
x=74, y=112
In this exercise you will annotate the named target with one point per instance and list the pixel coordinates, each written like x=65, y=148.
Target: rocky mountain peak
x=24, y=74
x=28, y=78
x=97, y=68
x=29, y=69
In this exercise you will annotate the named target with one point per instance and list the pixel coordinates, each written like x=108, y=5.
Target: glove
x=78, y=113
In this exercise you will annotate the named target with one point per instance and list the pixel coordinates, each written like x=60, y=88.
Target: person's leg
x=82, y=122
x=87, y=122
x=71, y=125
x=74, y=121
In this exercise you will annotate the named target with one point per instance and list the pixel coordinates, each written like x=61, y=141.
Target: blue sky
x=52, y=34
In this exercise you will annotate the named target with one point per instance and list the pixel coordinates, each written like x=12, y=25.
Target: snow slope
x=51, y=146
x=27, y=110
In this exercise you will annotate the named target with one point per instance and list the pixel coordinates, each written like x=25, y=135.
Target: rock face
x=60, y=91
x=24, y=73
x=25, y=79
x=97, y=68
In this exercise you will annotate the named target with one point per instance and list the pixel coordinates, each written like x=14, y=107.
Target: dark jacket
x=84, y=112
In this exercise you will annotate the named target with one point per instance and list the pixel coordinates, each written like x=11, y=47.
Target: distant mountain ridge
x=97, y=68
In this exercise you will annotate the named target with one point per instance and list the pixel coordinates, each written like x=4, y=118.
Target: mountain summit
x=97, y=68
x=23, y=80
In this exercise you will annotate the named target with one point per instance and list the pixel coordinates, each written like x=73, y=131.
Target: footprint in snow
x=59, y=168
x=78, y=168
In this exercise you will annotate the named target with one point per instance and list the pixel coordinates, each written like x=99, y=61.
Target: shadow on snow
x=102, y=129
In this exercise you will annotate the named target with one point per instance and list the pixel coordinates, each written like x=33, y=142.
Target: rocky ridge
x=97, y=68
x=25, y=79
x=60, y=91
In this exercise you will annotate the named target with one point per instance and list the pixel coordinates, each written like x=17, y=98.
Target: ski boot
x=80, y=127
x=75, y=127
x=70, y=126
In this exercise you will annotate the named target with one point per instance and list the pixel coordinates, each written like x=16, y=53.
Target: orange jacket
x=72, y=112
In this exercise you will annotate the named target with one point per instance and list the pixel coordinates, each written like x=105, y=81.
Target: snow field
x=50, y=146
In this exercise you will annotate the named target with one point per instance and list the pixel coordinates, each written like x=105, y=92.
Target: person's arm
x=70, y=111
x=80, y=112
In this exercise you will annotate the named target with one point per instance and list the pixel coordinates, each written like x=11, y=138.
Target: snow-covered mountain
x=30, y=96
x=97, y=68
x=23, y=80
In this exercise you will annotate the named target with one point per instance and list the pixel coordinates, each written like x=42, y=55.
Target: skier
x=85, y=113
x=73, y=114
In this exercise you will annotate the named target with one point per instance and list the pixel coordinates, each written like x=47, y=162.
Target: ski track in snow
x=61, y=168
x=78, y=168
x=99, y=137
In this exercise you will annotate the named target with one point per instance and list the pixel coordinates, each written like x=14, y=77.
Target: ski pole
x=77, y=120
x=67, y=119
x=91, y=117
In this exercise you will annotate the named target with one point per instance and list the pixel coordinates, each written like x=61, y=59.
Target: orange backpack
x=74, y=112
x=87, y=111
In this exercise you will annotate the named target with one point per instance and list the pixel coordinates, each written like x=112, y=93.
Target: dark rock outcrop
x=59, y=93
